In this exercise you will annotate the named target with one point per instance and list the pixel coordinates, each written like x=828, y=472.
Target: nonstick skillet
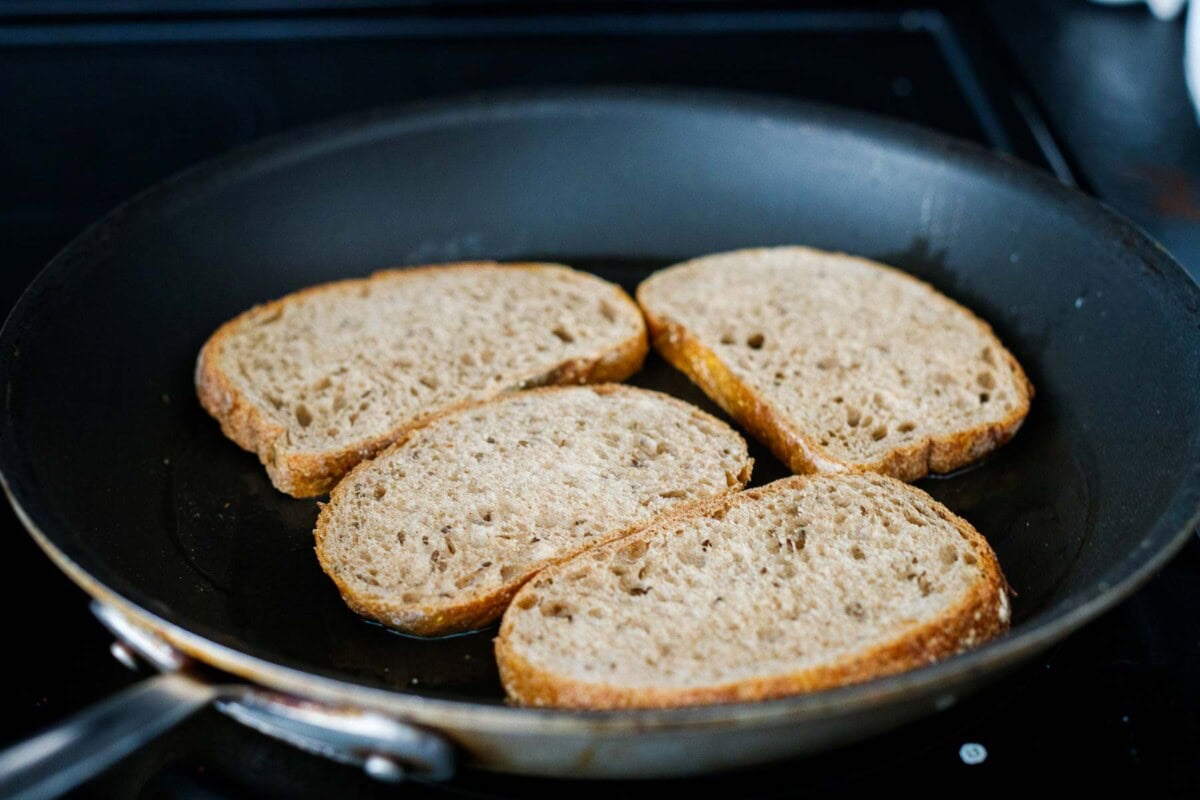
x=203, y=569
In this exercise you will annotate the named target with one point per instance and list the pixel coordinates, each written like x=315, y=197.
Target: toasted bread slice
x=804, y=584
x=836, y=363
x=323, y=378
x=437, y=534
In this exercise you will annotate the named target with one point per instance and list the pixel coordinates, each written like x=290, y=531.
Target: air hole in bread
x=907, y=427
x=380, y=491
x=527, y=601
x=984, y=397
x=969, y=558
x=563, y=335
x=755, y=341
x=924, y=586
x=879, y=432
x=634, y=550
x=769, y=634
x=303, y=416
x=557, y=608
x=857, y=553
x=508, y=572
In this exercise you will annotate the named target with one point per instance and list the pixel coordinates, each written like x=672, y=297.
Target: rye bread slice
x=318, y=380
x=436, y=534
x=837, y=363
x=807, y=583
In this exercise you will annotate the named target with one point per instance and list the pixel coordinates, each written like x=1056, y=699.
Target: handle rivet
x=383, y=768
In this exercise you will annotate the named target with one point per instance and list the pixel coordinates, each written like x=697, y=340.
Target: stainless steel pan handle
x=61, y=758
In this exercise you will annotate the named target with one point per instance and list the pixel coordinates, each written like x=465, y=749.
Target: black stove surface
x=96, y=109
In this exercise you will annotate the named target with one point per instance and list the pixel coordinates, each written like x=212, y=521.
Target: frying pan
x=203, y=569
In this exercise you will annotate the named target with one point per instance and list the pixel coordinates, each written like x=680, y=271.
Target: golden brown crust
x=455, y=615
x=981, y=615
x=310, y=474
x=801, y=454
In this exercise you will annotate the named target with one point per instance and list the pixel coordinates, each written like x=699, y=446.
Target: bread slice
x=438, y=533
x=323, y=378
x=836, y=363
x=804, y=584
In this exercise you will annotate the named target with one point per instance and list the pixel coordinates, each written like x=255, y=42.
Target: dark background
x=100, y=99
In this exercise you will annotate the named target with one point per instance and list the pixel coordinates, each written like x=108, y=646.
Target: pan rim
x=1164, y=539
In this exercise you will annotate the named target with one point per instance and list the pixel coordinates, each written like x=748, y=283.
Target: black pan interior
x=109, y=454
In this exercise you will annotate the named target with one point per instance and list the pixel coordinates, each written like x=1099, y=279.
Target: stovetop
x=96, y=108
